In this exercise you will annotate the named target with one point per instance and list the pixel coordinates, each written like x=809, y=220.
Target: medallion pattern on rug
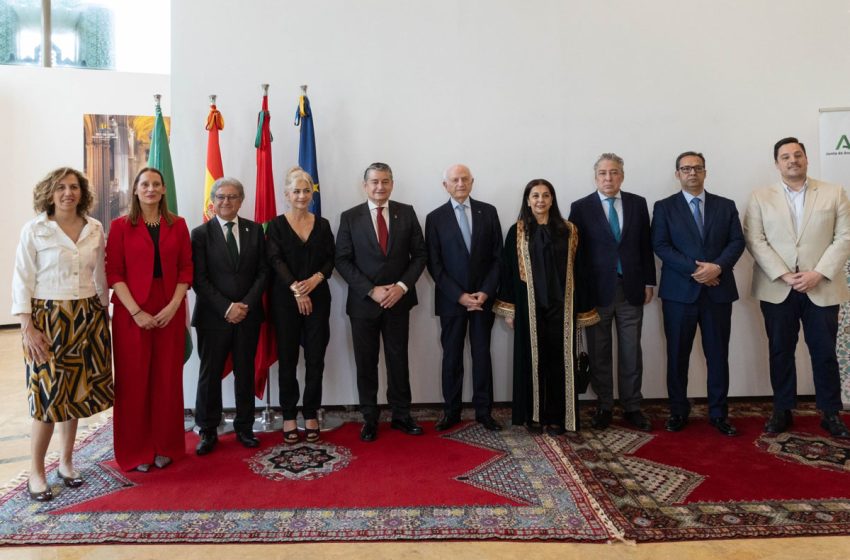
x=303, y=461
x=813, y=451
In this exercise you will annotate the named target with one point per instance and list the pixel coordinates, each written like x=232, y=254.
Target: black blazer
x=634, y=250
x=292, y=259
x=454, y=269
x=217, y=283
x=678, y=244
x=360, y=261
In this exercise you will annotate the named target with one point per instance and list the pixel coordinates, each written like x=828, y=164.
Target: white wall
x=516, y=90
x=41, y=111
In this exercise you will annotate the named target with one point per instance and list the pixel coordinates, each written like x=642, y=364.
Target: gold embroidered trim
x=504, y=309
x=570, y=416
x=524, y=265
x=587, y=319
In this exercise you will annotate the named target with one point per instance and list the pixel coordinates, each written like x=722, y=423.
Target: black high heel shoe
x=44, y=496
x=70, y=481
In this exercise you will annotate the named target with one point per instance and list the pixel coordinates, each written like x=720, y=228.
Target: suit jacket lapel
x=366, y=225
x=599, y=212
x=392, y=210
x=709, y=214
x=780, y=203
x=808, y=206
x=628, y=214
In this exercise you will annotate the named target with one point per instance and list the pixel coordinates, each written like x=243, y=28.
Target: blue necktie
x=463, y=222
x=698, y=216
x=614, y=222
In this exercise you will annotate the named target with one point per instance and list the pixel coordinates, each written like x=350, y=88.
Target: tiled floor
x=14, y=459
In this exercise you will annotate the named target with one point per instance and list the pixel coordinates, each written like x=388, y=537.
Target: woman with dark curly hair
x=59, y=292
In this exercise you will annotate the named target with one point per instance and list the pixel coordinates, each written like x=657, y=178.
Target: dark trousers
x=291, y=330
x=393, y=328
x=680, y=326
x=550, y=357
x=452, y=337
x=820, y=328
x=214, y=345
x=628, y=319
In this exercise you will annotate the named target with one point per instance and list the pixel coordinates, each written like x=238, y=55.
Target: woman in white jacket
x=59, y=293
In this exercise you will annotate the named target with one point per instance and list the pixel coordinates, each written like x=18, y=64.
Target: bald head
x=457, y=180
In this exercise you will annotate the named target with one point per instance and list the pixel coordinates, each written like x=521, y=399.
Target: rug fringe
x=617, y=534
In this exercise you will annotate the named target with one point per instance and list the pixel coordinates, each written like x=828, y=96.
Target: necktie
x=383, y=234
x=614, y=222
x=232, y=247
x=697, y=215
x=464, y=226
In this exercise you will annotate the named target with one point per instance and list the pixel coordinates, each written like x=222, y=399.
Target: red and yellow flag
x=215, y=170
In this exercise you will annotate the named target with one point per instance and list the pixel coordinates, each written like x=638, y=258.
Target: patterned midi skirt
x=76, y=380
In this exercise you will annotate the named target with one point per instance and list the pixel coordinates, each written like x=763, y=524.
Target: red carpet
x=736, y=469
x=592, y=486
x=396, y=470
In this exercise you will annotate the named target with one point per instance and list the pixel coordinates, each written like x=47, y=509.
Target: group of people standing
x=551, y=277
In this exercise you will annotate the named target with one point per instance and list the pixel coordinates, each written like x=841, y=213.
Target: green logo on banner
x=843, y=143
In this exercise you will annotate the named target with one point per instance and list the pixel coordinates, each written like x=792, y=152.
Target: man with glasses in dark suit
x=697, y=235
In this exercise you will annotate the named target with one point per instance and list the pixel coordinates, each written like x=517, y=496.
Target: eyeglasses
x=687, y=169
x=228, y=197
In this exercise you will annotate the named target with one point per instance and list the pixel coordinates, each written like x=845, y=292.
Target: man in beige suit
x=798, y=232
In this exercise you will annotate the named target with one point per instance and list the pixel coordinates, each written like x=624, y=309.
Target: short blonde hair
x=42, y=194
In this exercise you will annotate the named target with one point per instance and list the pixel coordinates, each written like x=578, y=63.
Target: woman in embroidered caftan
x=544, y=296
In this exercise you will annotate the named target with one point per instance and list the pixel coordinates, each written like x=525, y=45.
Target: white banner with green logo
x=835, y=168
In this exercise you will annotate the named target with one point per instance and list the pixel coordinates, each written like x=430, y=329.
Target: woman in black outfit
x=301, y=252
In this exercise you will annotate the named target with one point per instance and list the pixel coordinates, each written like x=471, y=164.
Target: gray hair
x=446, y=172
x=377, y=166
x=608, y=156
x=227, y=182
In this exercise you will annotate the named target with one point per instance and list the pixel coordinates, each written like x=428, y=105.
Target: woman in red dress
x=149, y=267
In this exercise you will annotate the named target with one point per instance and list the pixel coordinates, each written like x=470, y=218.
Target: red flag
x=264, y=212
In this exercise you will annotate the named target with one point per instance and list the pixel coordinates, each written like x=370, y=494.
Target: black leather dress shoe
x=601, y=419
x=637, y=420
x=406, y=425
x=369, y=431
x=247, y=439
x=207, y=443
x=489, y=423
x=778, y=422
x=555, y=430
x=446, y=422
x=832, y=423
x=676, y=422
x=723, y=426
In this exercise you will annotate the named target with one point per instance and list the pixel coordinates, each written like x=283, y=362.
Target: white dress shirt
x=796, y=203
x=48, y=265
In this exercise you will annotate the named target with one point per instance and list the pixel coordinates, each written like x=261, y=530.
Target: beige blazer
x=822, y=242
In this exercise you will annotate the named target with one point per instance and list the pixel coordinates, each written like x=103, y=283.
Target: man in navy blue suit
x=464, y=240
x=698, y=237
x=613, y=228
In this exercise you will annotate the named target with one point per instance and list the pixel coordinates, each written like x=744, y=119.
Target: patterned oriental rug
x=618, y=484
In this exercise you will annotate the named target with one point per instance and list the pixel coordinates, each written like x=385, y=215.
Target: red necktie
x=383, y=234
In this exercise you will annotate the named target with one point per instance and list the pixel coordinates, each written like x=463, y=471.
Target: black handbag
x=582, y=366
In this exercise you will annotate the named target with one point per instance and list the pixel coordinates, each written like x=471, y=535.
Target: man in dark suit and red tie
x=230, y=277
x=380, y=252
x=464, y=240
x=698, y=237
x=613, y=227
